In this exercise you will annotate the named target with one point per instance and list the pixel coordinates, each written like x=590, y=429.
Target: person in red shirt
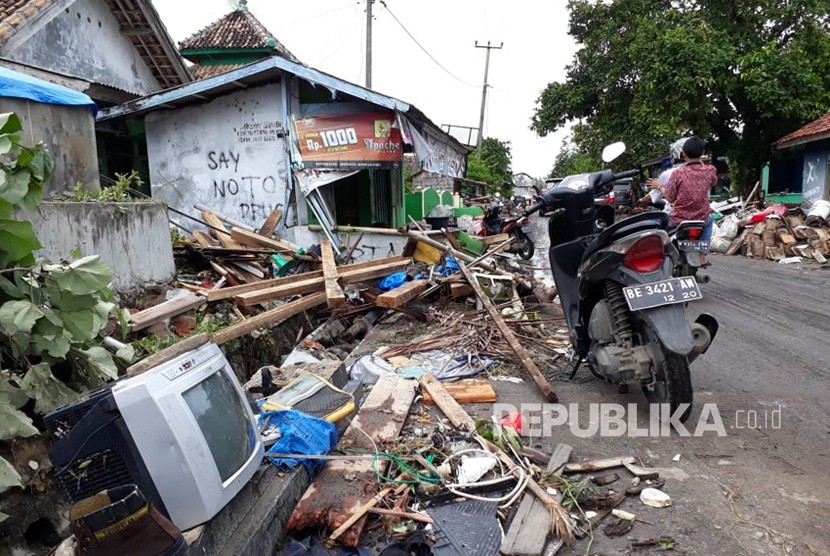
x=688, y=187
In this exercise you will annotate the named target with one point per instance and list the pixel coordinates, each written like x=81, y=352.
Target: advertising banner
x=349, y=141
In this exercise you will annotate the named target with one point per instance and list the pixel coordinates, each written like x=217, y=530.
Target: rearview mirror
x=612, y=151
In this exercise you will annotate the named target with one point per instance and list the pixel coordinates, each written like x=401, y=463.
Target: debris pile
x=776, y=233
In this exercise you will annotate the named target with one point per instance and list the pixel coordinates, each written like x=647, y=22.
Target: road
x=764, y=487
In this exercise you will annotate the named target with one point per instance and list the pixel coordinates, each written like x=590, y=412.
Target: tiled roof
x=148, y=34
x=198, y=71
x=14, y=13
x=815, y=130
x=237, y=30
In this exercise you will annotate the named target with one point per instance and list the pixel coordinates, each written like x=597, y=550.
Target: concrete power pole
x=369, y=44
x=484, y=91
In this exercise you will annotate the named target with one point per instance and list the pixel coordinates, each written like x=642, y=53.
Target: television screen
x=222, y=418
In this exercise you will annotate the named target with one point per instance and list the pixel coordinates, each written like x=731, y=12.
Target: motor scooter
x=625, y=311
x=517, y=227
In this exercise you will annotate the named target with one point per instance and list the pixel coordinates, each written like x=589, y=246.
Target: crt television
x=182, y=431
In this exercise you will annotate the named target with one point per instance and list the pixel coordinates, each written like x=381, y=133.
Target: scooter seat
x=632, y=224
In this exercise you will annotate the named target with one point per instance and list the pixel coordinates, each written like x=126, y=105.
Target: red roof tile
x=818, y=129
x=239, y=29
x=198, y=71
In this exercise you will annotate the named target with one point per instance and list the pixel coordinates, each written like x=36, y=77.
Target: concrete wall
x=438, y=182
x=133, y=238
x=68, y=132
x=228, y=154
x=85, y=40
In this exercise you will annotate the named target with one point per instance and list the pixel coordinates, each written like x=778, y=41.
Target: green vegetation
x=492, y=165
x=118, y=192
x=739, y=74
x=52, y=316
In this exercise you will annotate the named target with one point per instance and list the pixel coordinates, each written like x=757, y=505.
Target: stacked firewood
x=778, y=237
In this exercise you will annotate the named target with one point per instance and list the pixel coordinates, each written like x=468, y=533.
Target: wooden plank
x=529, y=529
x=255, y=240
x=769, y=238
x=223, y=237
x=784, y=236
x=445, y=402
x=345, y=486
x=458, y=289
x=774, y=253
x=517, y=348
x=226, y=293
x=359, y=513
x=268, y=317
x=819, y=257
x=334, y=293
x=759, y=228
x=177, y=349
x=737, y=243
x=271, y=223
x=598, y=464
x=204, y=239
x=498, y=238
x=402, y=294
x=316, y=284
x=466, y=391
x=176, y=306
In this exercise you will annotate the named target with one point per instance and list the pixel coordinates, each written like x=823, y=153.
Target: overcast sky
x=329, y=35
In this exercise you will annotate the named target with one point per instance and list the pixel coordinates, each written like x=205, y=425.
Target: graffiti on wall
x=254, y=195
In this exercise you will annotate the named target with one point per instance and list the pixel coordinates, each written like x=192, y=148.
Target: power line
x=431, y=57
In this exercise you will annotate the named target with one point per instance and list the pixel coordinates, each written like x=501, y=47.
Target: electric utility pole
x=369, y=44
x=484, y=90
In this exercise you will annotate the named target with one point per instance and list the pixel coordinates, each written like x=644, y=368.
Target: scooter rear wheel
x=527, y=249
x=673, y=381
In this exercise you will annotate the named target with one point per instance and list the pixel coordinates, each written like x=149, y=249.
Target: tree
x=492, y=165
x=571, y=160
x=740, y=74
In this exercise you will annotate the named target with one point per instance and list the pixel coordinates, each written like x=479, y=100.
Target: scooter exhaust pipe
x=703, y=330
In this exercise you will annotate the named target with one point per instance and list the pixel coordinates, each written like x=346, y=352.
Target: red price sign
x=366, y=140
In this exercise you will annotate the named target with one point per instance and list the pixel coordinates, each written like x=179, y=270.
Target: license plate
x=664, y=292
x=692, y=245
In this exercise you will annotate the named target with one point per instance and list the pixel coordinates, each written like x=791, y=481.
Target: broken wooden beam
x=308, y=285
x=401, y=295
x=176, y=306
x=271, y=223
x=269, y=317
x=334, y=293
x=598, y=464
x=222, y=233
x=343, y=487
x=511, y=339
x=167, y=354
x=445, y=402
x=255, y=240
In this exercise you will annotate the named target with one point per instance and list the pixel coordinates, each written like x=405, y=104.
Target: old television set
x=182, y=431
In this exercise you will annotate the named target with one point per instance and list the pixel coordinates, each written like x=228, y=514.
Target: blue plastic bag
x=301, y=434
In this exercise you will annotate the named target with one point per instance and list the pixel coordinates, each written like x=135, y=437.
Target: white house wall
x=84, y=40
x=228, y=154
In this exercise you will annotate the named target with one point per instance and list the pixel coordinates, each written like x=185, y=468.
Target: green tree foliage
x=741, y=74
x=571, y=160
x=51, y=315
x=492, y=165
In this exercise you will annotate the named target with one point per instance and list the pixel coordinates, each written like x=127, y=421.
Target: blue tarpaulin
x=300, y=434
x=19, y=85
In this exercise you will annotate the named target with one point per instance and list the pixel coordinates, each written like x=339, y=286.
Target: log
x=271, y=223
x=268, y=317
x=466, y=391
x=334, y=293
x=402, y=294
x=511, y=339
x=176, y=306
x=445, y=402
x=340, y=489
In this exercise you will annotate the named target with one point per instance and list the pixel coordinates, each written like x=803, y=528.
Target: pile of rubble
x=776, y=233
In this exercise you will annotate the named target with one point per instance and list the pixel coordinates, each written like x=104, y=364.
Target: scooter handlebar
x=626, y=174
x=535, y=208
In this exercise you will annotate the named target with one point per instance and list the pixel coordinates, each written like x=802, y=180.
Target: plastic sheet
x=301, y=434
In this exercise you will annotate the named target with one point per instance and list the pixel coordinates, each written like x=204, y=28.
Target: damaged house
x=277, y=134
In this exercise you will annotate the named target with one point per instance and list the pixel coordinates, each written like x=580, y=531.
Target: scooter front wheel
x=527, y=248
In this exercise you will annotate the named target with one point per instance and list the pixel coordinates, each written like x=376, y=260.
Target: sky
x=445, y=82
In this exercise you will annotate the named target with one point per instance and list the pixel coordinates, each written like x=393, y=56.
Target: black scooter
x=626, y=314
x=520, y=244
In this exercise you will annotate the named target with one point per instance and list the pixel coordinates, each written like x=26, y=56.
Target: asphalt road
x=764, y=487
